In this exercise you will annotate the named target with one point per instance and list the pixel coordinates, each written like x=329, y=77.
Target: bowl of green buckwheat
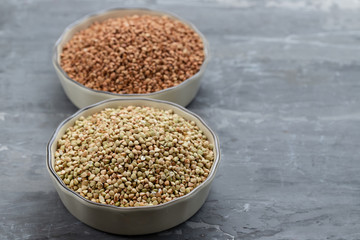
x=134, y=166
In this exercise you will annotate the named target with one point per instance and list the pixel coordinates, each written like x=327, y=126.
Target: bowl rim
x=69, y=27
x=78, y=113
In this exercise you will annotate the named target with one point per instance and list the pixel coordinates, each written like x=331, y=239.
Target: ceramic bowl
x=82, y=96
x=132, y=220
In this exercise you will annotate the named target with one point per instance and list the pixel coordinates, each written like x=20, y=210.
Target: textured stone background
x=282, y=91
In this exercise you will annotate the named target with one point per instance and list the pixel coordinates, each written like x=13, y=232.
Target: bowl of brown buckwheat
x=134, y=166
x=127, y=53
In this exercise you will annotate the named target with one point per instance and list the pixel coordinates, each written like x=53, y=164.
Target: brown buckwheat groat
x=133, y=54
x=133, y=156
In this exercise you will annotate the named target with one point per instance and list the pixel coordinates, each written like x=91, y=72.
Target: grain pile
x=133, y=54
x=133, y=156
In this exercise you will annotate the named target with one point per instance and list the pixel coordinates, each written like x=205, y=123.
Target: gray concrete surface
x=282, y=91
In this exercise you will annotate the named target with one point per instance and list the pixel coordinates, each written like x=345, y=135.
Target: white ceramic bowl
x=132, y=220
x=82, y=96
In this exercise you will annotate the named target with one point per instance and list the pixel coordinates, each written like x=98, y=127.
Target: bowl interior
x=115, y=103
x=113, y=13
